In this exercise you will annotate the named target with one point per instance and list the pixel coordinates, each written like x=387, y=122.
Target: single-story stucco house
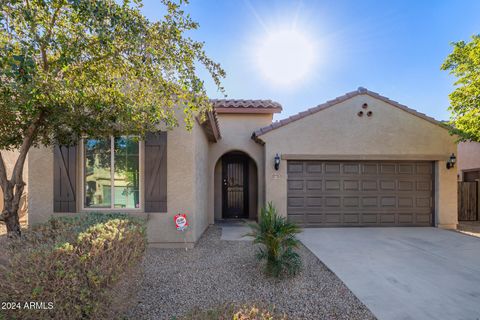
x=358, y=160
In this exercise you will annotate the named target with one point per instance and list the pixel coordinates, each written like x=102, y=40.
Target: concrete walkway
x=404, y=273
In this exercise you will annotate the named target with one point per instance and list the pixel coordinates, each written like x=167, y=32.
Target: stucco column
x=276, y=183
x=446, y=211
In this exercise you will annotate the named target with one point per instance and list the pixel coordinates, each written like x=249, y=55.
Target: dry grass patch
x=71, y=262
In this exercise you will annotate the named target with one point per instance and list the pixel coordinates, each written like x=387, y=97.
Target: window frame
x=112, y=178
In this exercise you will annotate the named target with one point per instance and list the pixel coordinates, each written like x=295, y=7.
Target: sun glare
x=286, y=57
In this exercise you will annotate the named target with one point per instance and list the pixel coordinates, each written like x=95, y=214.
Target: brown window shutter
x=64, y=179
x=156, y=172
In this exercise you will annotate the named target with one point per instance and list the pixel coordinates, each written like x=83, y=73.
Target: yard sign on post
x=181, y=224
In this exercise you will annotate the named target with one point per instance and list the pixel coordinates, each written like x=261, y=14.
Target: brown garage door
x=360, y=193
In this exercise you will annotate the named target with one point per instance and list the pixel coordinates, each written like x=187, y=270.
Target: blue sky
x=394, y=48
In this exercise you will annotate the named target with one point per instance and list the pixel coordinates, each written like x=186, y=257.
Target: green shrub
x=72, y=262
x=278, y=239
x=232, y=312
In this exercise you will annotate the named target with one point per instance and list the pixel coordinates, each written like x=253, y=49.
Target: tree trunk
x=11, y=202
x=13, y=188
x=13, y=224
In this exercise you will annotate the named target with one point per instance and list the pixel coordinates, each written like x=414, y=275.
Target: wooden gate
x=467, y=201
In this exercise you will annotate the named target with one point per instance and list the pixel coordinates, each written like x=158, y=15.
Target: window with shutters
x=111, y=173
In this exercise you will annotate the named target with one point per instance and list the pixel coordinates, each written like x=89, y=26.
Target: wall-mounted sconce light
x=276, y=162
x=451, y=161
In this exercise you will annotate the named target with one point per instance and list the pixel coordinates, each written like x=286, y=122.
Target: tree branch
x=45, y=40
x=17, y=174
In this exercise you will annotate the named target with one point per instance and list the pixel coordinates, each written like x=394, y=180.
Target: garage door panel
x=369, y=218
x=424, y=186
x=314, y=184
x=388, y=168
x=294, y=168
x=351, y=218
x=368, y=202
x=405, y=218
x=296, y=202
x=349, y=193
x=426, y=169
x=332, y=201
x=369, y=185
x=423, y=218
x=388, y=201
x=405, y=202
x=351, y=202
x=387, y=218
x=351, y=168
x=406, y=168
x=424, y=202
x=314, y=167
x=314, y=202
x=369, y=168
x=332, y=168
x=314, y=218
x=406, y=185
x=298, y=219
x=332, y=185
x=351, y=185
x=388, y=185
x=295, y=185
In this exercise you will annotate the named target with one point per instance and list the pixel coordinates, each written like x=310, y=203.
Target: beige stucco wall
x=202, y=178
x=468, y=156
x=338, y=133
x=236, y=130
x=9, y=158
x=187, y=151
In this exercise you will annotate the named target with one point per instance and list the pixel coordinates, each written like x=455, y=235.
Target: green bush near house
x=72, y=262
x=278, y=241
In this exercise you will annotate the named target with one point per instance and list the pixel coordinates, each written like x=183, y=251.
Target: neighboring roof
x=338, y=100
x=209, y=123
x=245, y=106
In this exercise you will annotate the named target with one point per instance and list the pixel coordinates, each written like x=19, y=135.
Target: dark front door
x=235, y=186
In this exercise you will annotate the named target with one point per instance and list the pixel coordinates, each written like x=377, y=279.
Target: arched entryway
x=236, y=186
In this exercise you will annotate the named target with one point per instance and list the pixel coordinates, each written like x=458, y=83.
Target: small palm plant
x=278, y=239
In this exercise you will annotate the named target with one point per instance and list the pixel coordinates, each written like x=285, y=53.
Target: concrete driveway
x=404, y=273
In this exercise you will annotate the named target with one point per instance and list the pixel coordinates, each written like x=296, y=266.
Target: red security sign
x=181, y=222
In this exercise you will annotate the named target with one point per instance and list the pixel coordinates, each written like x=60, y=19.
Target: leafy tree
x=91, y=67
x=464, y=63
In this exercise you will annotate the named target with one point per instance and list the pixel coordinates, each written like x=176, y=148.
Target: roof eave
x=210, y=125
x=223, y=110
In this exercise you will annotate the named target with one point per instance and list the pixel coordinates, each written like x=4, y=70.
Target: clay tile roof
x=338, y=100
x=245, y=106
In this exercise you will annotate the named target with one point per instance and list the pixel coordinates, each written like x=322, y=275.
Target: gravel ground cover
x=175, y=281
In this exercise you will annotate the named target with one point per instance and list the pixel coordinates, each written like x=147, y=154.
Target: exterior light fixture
x=276, y=162
x=451, y=161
